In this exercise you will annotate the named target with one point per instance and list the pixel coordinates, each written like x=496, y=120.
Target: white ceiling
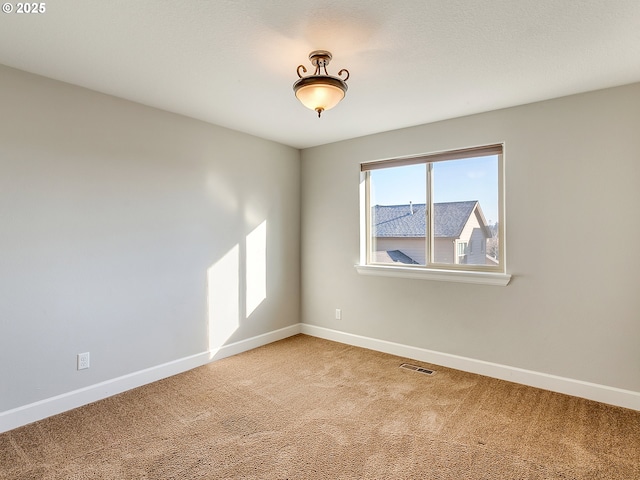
x=233, y=62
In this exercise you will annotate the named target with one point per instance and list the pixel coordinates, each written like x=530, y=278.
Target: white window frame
x=485, y=275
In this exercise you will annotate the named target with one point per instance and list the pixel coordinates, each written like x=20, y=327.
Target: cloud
x=476, y=173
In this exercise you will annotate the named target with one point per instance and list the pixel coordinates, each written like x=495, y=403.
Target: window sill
x=481, y=278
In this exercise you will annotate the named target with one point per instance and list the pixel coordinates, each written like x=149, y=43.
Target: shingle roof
x=398, y=221
x=393, y=256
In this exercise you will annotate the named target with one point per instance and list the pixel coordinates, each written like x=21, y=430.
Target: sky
x=453, y=181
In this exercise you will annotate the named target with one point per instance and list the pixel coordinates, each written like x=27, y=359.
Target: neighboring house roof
x=399, y=221
x=393, y=256
x=451, y=217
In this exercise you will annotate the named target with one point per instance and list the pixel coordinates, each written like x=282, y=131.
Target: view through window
x=441, y=211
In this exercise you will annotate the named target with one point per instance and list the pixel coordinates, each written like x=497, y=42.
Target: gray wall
x=114, y=217
x=111, y=214
x=572, y=196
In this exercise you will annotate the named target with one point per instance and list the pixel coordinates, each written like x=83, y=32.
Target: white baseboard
x=577, y=388
x=32, y=412
x=255, y=342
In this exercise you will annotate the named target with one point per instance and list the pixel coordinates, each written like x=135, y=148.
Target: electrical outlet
x=83, y=361
x=338, y=314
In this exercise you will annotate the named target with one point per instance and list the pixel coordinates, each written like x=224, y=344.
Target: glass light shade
x=320, y=96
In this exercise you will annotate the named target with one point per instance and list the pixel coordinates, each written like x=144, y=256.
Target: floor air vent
x=415, y=368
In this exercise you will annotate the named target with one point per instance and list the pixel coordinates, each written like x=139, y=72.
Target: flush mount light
x=320, y=92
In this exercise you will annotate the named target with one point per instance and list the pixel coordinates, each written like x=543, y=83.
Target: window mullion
x=368, y=218
x=429, y=212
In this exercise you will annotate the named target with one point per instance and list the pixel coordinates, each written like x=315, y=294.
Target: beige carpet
x=306, y=408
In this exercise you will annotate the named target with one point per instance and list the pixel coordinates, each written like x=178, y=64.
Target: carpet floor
x=306, y=408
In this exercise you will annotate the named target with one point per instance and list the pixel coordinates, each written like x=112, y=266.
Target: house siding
x=473, y=235
x=412, y=247
x=444, y=250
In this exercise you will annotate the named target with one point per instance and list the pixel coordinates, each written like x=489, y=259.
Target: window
x=438, y=212
x=462, y=252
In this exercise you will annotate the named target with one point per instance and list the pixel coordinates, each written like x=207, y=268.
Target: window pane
x=397, y=197
x=465, y=217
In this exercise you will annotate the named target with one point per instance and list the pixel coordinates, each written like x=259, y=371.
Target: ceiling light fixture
x=320, y=92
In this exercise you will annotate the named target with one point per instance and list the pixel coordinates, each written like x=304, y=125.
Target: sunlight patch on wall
x=256, y=264
x=223, y=299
